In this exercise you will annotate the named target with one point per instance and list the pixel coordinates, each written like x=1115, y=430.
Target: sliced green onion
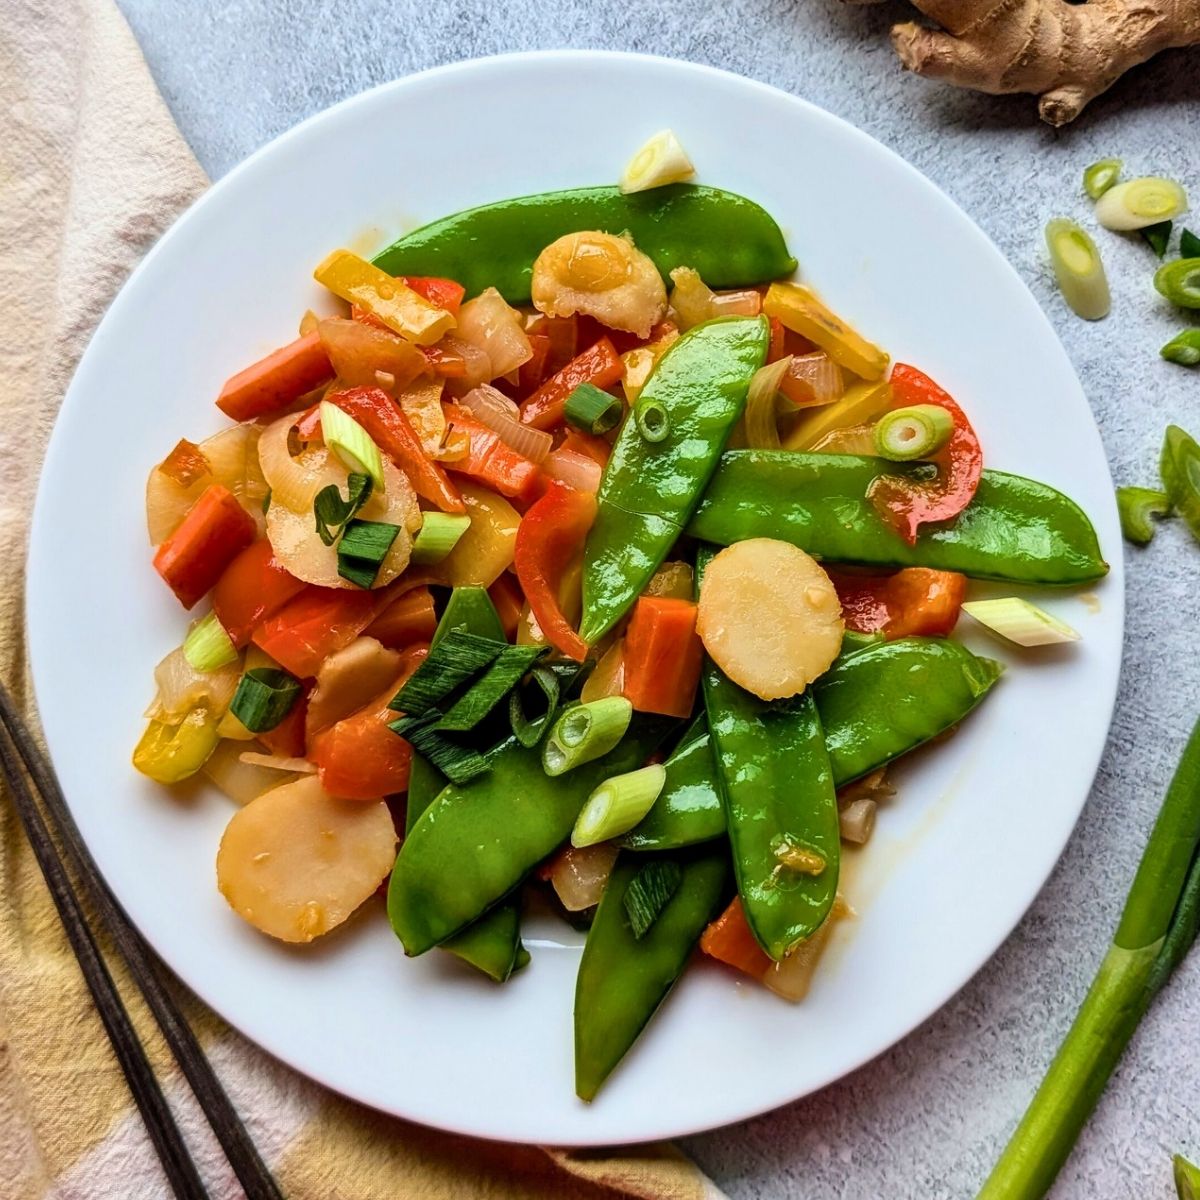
x=266, y=503
x=1078, y=269
x=332, y=512
x=351, y=443
x=1183, y=348
x=653, y=421
x=460, y=764
x=529, y=732
x=1179, y=467
x=918, y=431
x=761, y=416
x=438, y=535
x=455, y=659
x=1157, y=237
x=659, y=161
x=1140, y=202
x=1100, y=176
x=497, y=681
x=1136, y=506
x=264, y=696
x=617, y=805
x=1179, y=281
x=1187, y=1179
x=585, y=732
x=1021, y=622
x=1189, y=245
x=649, y=892
x=592, y=410
x=364, y=546
x=207, y=646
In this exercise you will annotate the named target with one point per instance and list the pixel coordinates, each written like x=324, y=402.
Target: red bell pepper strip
x=663, y=656
x=445, y=293
x=600, y=365
x=409, y=618
x=252, y=587
x=216, y=529
x=550, y=535
x=288, y=738
x=392, y=432
x=563, y=333
x=531, y=374
x=914, y=602
x=359, y=757
x=907, y=504
x=318, y=622
x=278, y=380
x=507, y=600
x=443, y=362
x=491, y=460
x=595, y=448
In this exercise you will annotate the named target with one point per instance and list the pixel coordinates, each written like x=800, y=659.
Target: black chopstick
x=253, y=1174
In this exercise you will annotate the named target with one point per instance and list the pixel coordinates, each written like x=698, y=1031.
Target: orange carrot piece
x=729, y=940
x=663, y=656
x=409, y=618
x=278, y=380
x=318, y=622
x=216, y=529
x=913, y=602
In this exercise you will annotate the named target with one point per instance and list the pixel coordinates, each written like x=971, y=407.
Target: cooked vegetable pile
x=580, y=552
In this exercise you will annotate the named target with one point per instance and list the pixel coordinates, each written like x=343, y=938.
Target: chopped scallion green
x=1100, y=176
x=208, y=646
x=529, y=732
x=1136, y=506
x=1187, y=1178
x=592, y=410
x=264, y=697
x=460, y=764
x=1183, y=348
x=653, y=420
x=1179, y=467
x=364, y=546
x=1157, y=237
x=617, y=805
x=1140, y=202
x=497, y=681
x=649, y=892
x=438, y=535
x=1179, y=281
x=1189, y=245
x=1078, y=269
x=332, y=512
x=918, y=431
x=585, y=732
x=351, y=443
x=455, y=659
x=1015, y=619
x=266, y=503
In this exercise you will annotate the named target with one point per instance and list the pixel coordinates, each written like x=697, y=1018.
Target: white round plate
x=959, y=854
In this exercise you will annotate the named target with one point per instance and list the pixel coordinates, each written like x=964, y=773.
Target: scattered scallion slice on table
x=207, y=646
x=1189, y=245
x=653, y=421
x=1180, y=470
x=592, y=409
x=351, y=443
x=1078, y=269
x=659, y=161
x=1157, y=237
x=1179, y=281
x=1100, y=176
x=617, y=805
x=1183, y=348
x=1016, y=620
x=585, y=732
x=918, y=431
x=649, y=892
x=332, y=512
x=1140, y=202
x=1136, y=506
x=438, y=535
x=264, y=697
x=1187, y=1178
x=363, y=548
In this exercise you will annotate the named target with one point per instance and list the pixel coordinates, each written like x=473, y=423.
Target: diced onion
x=477, y=367
x=812, y=380
x=577, y=471
x=498, y=413
x=659, y=161
x=792, y=977
x=762, y=429
x=360, y=351
x=857, y=821
x=579, y=876
x=492, y=325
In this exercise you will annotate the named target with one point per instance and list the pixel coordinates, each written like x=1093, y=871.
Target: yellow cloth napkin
x=92, y=170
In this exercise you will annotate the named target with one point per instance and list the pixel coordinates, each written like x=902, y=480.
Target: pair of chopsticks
x=39, y=802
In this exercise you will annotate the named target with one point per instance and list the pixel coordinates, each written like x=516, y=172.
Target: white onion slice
x=495, y=410
x=575, y=470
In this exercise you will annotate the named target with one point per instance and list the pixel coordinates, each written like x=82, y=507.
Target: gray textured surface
x=926, y=1119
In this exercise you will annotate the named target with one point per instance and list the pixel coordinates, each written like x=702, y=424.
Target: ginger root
x=1065, y=54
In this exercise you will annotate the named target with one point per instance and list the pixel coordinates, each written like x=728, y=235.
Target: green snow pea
x=650, y=489
x=875, y=704
x=478, y=840
x=623, y=979
x=1015, y=529
x=493, y=943
x=729, y=240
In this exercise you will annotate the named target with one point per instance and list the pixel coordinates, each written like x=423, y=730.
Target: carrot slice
x=601, y=365
x=729, y=940
x=278, y=380
x=194, y=557
x=663, y=656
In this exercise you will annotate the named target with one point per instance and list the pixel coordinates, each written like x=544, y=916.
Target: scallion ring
x=1180, y=470
x=1078, y=269
x=207, y=646
x=1136, y=506
x=351, y=443
x=264, y=697
x=1140, y=202
x=918, y=431
x=653, y=420
x=585, y=732
x=617, y=805
x=1179, y=281
x=438, y=535
x=1183, y=348
x=591, y=410
x=1100, y=176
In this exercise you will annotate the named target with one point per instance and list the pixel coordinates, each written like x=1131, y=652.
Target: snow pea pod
x=1015, y=529
x=478, y=840
x=729, y=240
x=493, y=943
x=875, y=706
x=650, y=489
x=623, y=979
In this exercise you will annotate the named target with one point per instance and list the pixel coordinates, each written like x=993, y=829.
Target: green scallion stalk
x=364, y=546
x=460, y=764
x=1179, y=467
x=1140, y=202
x=1187, y=1178
x=1136, y=506
x=617, y=805
x=1189, y=245
x=585, y=732
x=529, y=732
x=351, y=443
x=592, y=410
x=1100, y=176
x=455, y=659
x=496, y=682
x=1179, y=281
x=1157, y=928
x=1157, y=237
x=1015, y=619
x=207, y=646
x=1183, y=348
x=438, y=535
x=264, y=697
x=918, y=431
x=653, y=420
x=1078, y=269
x=649, y=892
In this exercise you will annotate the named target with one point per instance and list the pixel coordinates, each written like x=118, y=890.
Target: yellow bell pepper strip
x=862, y=403
x=799, y=310
x=389, y=300
x=173, y=753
